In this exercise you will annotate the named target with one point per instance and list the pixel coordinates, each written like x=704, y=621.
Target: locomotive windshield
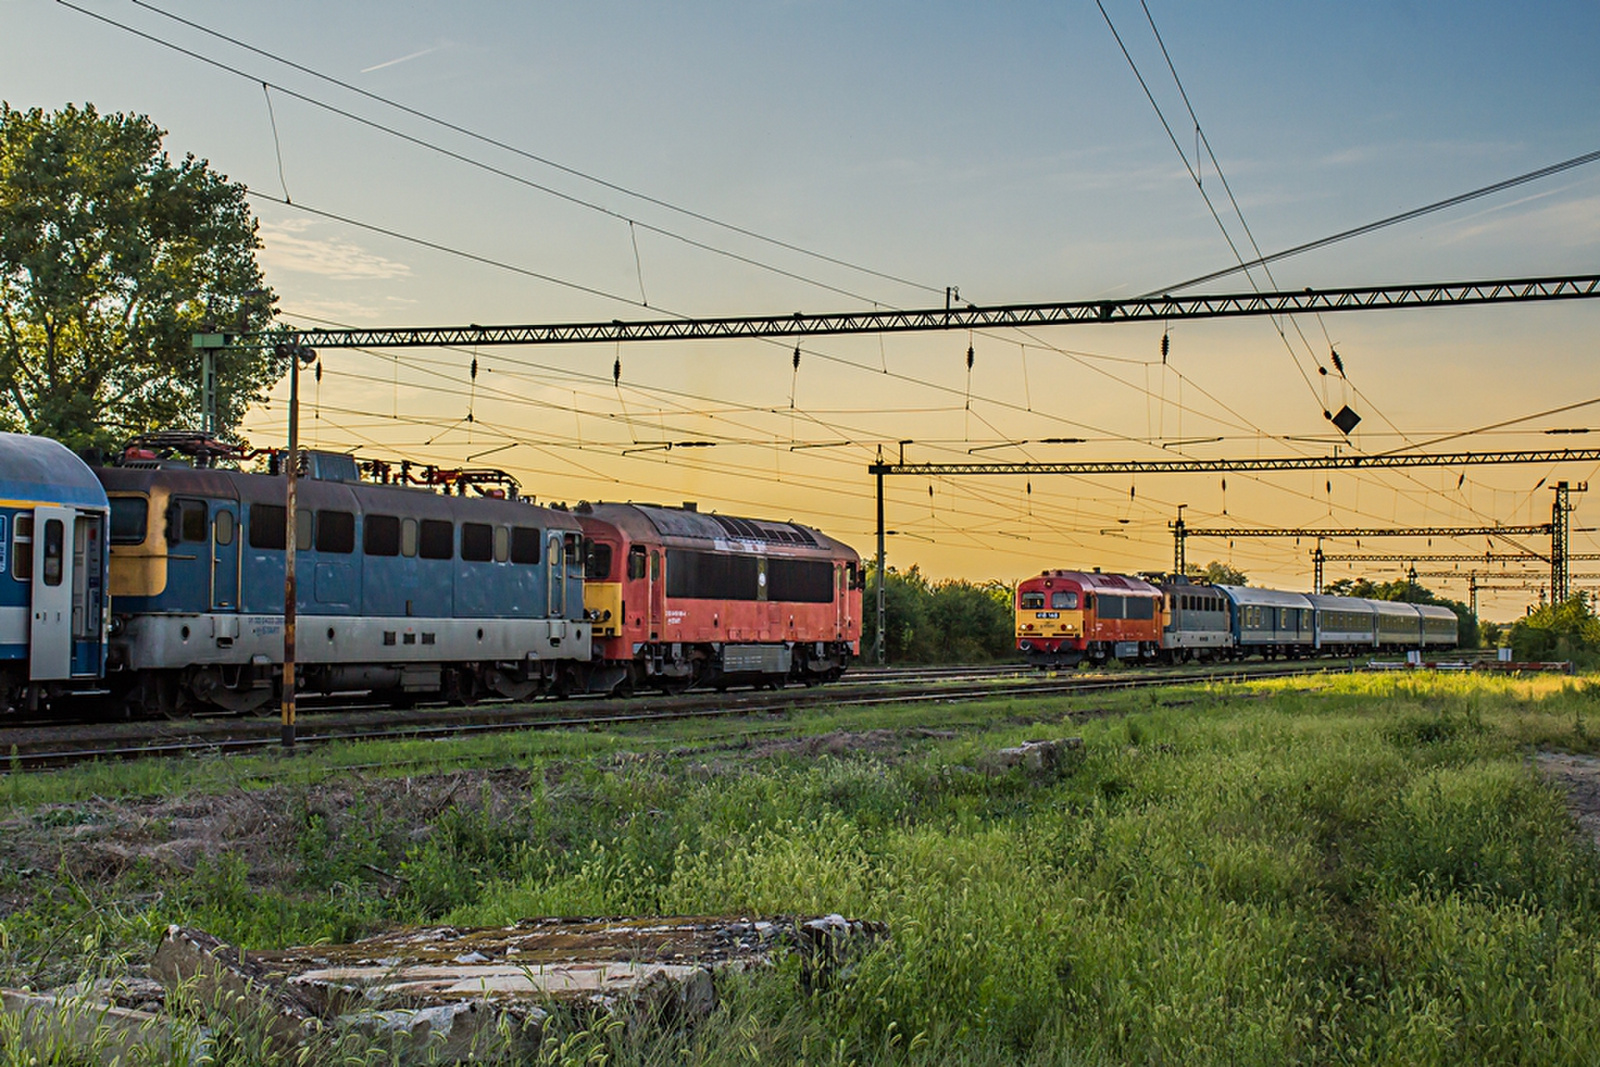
x=1032, y=601
x=130, y=519
x=1061, y=599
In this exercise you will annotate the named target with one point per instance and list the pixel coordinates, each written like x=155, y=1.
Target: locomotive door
x=50, y=631
x=555, y=576
x=657, y=594
x=225, y=557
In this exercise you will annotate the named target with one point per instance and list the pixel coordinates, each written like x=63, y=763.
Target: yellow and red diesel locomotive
x=1065, y=617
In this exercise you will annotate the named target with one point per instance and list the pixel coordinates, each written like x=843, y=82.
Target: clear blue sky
x=1006, y=149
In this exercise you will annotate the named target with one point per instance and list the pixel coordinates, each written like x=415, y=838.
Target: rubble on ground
x=1037, y=758
x=436, y=994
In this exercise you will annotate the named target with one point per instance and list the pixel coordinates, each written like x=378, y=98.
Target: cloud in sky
x=290, y=246
x=397, y=62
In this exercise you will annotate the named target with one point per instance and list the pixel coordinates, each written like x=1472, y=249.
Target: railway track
x=33, y=749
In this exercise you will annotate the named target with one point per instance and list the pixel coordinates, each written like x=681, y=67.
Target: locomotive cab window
x=22, y=548
x=477, y=542
x=1032, y=601
x=856, y=574
x=223, y=527
x=381, y=535
x=186, y=521
x=597, y=566
x=1063, y=600
x=636, y=562
x=572, y=546
x=130, y=520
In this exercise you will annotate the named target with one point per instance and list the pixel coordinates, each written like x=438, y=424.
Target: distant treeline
x=950, y=621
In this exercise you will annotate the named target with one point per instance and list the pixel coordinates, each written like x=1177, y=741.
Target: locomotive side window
x=266, y=526
x=803, y=581
x=1032, y=601
x=502, y=543
x=1140, y=607
x=597, y=567
x=635, y=562
x=711, y=576
x=1062, y=599
x=381, y=535
x=130, y=520
x=336, y=531
x=572, y=545
x=224, y=527
x=22, y=548
x=408, y=538
x=853, y=570
x=477, y=542
x=302, y=530
x=55, y=535
x=437, y=540
x=524, y=544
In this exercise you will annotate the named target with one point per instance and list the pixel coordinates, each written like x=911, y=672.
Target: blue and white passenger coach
x=403, y=591
x=53, y=615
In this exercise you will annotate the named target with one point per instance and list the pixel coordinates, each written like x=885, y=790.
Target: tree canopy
x=1218, y=573
x=111, y=257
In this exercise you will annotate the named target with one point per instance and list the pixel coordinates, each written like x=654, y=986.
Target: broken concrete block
x=127, y=991
x=224, y=981
x=1037, y=757
x=78, y=1028
x=451, y=1032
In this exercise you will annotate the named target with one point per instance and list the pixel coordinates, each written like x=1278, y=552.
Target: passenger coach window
x=130, y=520
x=22, y=548
x=597, y=567
x=1032, y=601
x=266, y=526
x=381, y=535
x=55, y=534
x=636, y=562
x=477, y=542
x=1063, y=600
x=524, y=544
x=336, y=531
x=437, y=540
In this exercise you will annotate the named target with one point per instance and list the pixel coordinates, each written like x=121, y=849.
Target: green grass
x=1348, y=870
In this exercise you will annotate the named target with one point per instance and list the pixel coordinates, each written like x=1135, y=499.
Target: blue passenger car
x=52, y=573
x=399, y=589
x=1269, y=623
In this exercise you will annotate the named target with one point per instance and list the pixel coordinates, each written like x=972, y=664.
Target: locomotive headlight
x=118, y=623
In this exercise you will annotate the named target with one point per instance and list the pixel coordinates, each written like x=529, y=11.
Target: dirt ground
x=1580, y=777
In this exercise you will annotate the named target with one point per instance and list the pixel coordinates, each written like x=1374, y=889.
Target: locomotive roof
x=39, y=470
x=1112, y=583
x=690, y=525
x=314, y=493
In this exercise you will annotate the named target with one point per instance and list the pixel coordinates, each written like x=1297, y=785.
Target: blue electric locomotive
x=401, y=590
x=53, y=614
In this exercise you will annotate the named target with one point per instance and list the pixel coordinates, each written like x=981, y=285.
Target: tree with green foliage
x=951, y=621
x=1218, y=573
x=1565, y=631
x=111, y=258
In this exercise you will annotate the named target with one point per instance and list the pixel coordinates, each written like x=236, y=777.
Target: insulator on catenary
x=473, y=372
x=796, y=357
x=616, y=371
x=1166, y=346
x=1337, y=362
x=969, y=357
x=319, y=372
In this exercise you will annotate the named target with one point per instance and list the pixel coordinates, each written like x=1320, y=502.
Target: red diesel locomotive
x=680, y=599
x=1065, y=617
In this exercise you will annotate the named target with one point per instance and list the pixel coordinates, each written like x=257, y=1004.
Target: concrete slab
x=75, y=1028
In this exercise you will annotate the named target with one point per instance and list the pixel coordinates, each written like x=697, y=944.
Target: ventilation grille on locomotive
x=750, y=531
